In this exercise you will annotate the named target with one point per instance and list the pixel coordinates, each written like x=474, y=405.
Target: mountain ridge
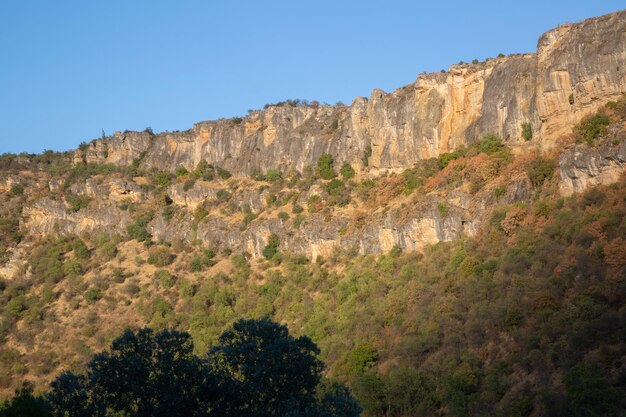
x=576, y=69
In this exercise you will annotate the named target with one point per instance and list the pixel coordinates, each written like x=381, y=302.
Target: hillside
x=455, y=247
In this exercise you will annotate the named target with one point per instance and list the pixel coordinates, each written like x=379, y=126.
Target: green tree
x=149, y=374
x=325, y=167
x=24, y=404
x=271, y=249
x=590, y=393
x=347, y=172
x=275, y=374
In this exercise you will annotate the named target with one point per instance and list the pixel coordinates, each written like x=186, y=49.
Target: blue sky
x=70, y=69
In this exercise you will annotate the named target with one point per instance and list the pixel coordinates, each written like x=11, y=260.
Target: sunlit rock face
x=577, y=68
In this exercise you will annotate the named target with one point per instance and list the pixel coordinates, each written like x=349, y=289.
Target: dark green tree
x=69, y=397
x=275, y=374
x=24, y=404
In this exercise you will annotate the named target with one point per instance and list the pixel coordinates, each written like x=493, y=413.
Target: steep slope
x=458, y=243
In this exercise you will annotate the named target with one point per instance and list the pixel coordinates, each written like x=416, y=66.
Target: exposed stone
x=435, y=114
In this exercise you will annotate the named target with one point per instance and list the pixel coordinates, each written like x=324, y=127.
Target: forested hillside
x=525, y=317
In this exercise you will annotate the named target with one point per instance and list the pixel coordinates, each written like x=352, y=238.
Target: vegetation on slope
x=525, y=318
x=514, y=320
x=257, y=370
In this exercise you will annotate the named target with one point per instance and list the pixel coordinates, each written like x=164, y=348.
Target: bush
x=80, y=249
x=93, y=294
x=591, y=127
x=527, y=131
x=488, y=144
x=77, y=202
x=314, y=203
x=17, y=189
x=367, y=153
x=162, y=179
x=138, y=230
x=200, y=213
x=160, y=256
x=338, y=194
x=189, y=183
x=249, y=218
x=222, y=196
x=271, y=249
x=442, y=208
x=164, y=278
x=346, y=171
x=181, y=171
x=539, y=170
x=273, y=175
x=283, y=215
x=223, y=174
x=447, y=157
x=204, y=170
x=325, y=167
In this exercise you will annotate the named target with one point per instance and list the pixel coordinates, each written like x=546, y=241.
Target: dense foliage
x=257, y=370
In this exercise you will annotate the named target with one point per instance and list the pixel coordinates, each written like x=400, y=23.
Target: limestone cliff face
x=577, y=67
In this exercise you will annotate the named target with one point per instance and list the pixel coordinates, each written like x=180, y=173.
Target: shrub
x=489, y=144
x=181, y=171
x=591, y=127
x=222, y=196
x=204, y=170
x=249, y=218
x=273, y=175
x=442, y=208
x=80, y=249
x=17, y=189
x=367, y=153
x=346, y=171
x=325, y=167
x=297, y=209
x=200, y=213
x=570, y=99
x=77, y=202
x=499, y=191
x=527, y=131
x=223, y=174
x=338, y=193
x=138, y=229
x=297, y=221
x=162, y=179
x=160, y=256
x=271, y=249
x=164, y=278
x=93, y=294
x=283, y=215
x=447, y=157
x=189, y=183
x=540, y=169
x=314, y=203
x=168, y=213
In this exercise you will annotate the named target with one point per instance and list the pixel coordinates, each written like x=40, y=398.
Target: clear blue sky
x=69, y=69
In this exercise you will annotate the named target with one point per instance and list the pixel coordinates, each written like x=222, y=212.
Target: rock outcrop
x=577, y=68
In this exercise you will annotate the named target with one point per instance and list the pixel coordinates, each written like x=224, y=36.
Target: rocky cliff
x=387, y=139
x=577, y=68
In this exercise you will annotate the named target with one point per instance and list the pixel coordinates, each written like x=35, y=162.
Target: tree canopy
x=257, y=370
